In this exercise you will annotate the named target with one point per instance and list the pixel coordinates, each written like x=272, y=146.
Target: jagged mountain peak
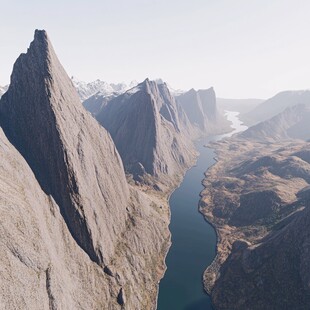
x=72, y=229
x=40, y=48
x=145, y=125
x=201, y=109
x=41, y=114
x=41, y=36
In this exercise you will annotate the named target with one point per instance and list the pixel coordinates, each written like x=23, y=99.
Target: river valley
x=193, y=239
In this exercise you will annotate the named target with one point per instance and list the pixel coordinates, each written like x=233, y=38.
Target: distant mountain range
x=276, y=105
x=101, y=88
x=86, y=90
x=241, y=105
x=292, y=123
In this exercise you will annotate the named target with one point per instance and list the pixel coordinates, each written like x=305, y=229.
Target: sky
x=243, y=48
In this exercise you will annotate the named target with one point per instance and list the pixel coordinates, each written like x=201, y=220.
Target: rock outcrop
x=257, y=197
x=202, y=111
x=74, y=234
x=149, y=131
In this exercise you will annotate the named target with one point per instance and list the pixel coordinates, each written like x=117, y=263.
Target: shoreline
x=214, y=266
x=167, y=199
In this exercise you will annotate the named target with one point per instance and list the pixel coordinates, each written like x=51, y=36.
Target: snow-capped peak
x=3, y=89
x=86, y=90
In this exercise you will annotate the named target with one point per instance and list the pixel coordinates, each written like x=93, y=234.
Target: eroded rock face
x=202, y=111
x=98, y=87
x=74, y=233
x=147, y=128
x=40, y=261
x=43, y=118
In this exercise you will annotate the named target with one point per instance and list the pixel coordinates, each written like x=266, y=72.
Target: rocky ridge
x=150, y=133
x=202, y=111
x=74, y=233
x=98, y=87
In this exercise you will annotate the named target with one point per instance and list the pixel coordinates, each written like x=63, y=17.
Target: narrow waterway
x=193, y=239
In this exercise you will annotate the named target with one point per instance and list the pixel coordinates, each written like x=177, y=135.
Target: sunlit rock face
x=72, y=229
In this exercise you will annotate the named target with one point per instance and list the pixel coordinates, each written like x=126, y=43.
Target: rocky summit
x=149, y=130
x=202, y=111
x=74, y=234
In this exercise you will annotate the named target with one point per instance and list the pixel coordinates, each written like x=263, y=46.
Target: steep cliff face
x=73, y=230
x=202, y=111
x=146, y=126
x=43, y=118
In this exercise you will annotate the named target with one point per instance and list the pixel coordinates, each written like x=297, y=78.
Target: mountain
x=72, y=228
x=294, y=122
x=86, y=90
x=276, y=105
x=3, y=89
x=97, y=102
x=147, y=126
x=202, y=111
x=257, y=198
x=240, y=105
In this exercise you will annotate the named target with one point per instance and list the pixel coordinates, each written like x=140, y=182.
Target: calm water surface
x=193, y=239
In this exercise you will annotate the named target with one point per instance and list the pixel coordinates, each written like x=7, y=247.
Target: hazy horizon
x=242, y=49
